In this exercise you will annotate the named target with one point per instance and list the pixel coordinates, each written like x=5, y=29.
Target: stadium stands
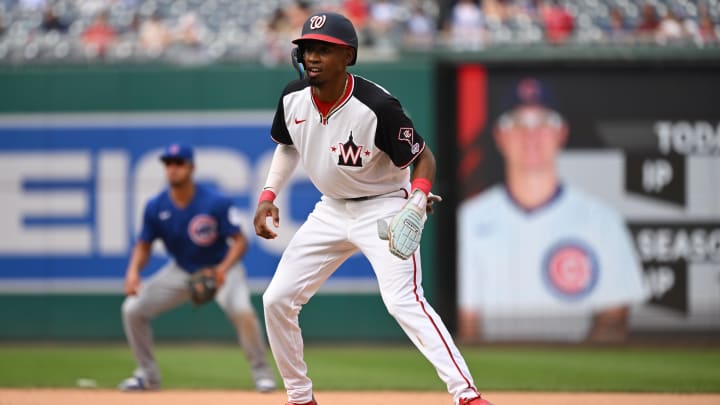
x=207, y=31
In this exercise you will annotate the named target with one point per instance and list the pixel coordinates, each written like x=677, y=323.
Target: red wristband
x=422, y=184
x=266, y=195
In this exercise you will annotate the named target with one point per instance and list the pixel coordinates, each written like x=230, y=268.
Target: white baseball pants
x=333, y=232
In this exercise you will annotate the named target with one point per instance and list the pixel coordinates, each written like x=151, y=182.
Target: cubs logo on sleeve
x=570, y=270
x=203, y=230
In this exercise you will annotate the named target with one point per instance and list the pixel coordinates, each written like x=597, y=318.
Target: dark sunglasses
x=174, y=162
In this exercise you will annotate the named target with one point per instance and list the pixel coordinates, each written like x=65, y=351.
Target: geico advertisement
x=73, y=189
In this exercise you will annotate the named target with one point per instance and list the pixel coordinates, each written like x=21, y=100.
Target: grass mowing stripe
x=378, y=368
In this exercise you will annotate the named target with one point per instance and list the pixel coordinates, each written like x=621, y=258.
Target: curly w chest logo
x=349, y=153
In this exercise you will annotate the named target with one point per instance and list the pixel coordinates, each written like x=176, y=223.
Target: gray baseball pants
x=168, y=289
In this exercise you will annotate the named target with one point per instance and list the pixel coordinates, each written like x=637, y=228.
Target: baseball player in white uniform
x=356, y=144
x=540, y=260
x=194, y=223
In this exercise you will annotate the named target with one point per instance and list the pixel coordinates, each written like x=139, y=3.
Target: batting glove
x=405, y=229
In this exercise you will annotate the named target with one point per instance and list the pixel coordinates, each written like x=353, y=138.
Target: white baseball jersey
x=541, y=274
x=361, y=148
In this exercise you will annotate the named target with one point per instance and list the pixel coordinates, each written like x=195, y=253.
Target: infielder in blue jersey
x=195, y=223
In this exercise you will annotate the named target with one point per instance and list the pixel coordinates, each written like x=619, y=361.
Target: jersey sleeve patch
x=396, y=134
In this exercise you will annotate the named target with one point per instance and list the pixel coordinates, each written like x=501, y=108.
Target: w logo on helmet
x=317, y=21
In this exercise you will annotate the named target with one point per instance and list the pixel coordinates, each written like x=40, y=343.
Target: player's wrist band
x=421, y=184
x=266, y=195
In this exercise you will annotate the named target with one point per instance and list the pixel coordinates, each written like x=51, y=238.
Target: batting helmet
x=329, y=27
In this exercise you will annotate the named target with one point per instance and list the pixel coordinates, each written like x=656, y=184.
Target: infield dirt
x=192, y=397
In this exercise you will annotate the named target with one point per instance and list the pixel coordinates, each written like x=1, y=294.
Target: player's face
x=178, y=172
x=325, y=62
x=531, y=142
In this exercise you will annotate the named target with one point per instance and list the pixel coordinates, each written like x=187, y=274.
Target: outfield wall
x=78, y=151
x=79, y=145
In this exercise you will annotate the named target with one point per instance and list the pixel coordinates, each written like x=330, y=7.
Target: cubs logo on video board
x=570, y=270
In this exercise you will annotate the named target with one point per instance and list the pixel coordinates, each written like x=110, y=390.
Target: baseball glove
x=203, y=286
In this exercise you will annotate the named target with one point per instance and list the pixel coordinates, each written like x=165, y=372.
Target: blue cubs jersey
x=195, y=235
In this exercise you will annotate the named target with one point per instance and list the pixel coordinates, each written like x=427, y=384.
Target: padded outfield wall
x=78, y=158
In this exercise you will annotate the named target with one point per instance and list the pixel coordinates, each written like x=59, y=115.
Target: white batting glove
x=405, y=229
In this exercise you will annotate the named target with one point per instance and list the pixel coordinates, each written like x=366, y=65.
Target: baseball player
x=541, y=260
x=356, y=144
x=195, y=224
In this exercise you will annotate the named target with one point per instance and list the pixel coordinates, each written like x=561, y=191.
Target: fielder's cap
x=178, y=151
x=329, y=27
x=530, y=90
x=530, y=105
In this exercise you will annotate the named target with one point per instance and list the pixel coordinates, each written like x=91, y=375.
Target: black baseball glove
x=203, y=286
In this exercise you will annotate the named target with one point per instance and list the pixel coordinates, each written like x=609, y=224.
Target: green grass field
x=379, y=368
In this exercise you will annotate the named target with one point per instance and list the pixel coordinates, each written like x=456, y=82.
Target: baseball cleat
x=135, y=383
x=265, y=385
x=473, y=401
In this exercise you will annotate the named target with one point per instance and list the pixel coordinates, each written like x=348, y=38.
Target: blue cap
x=178, y=151
x=530, y=90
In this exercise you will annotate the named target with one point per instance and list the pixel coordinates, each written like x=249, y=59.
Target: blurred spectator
x=672, y=29
x=297, y=12
x=496, y=10
x=559, y=23
x=467, y=26
x=617, y=31
x=384, y=24
x=529, y=9
x=649, y=23
x=420, y=29
x=190, y=31
x=707, y=31
x=357, y=11
x=51, y=22
x=135, y=24
x=278, y=36
x=154, y=35
x=99, y=36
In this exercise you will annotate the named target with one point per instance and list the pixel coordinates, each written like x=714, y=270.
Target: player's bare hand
x=432, y=199
x=264, y=210
x=132, y=282
x=220, y=277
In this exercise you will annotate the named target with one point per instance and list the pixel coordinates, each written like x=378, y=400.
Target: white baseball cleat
x=265, y=384
x=136, y=383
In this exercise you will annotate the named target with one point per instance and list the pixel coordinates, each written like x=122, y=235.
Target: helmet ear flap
x=300, y=54
x=296, y=57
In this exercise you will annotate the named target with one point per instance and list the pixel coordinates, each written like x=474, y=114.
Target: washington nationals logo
x=203, y=230
x=570, y=270
x=317, y=21
x=349, y=154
